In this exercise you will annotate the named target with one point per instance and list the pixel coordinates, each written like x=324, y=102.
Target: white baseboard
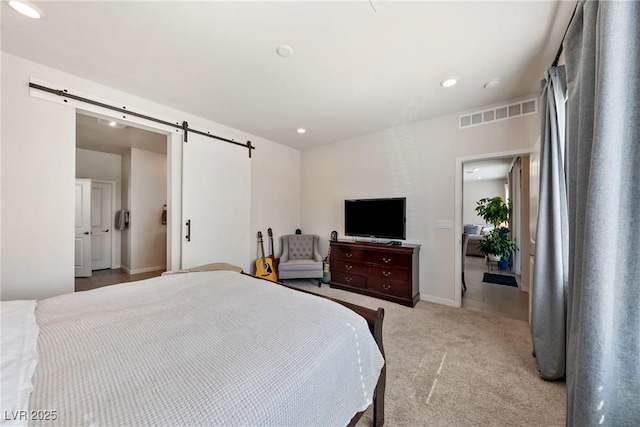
x=144, y=270
x=442, y=301
x=125, y=269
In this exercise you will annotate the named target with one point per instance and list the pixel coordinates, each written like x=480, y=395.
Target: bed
x=199, y=348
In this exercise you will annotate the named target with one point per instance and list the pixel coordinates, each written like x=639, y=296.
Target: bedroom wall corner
x=275, y=193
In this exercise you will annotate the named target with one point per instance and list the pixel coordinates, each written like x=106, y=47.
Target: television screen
x=381, y=218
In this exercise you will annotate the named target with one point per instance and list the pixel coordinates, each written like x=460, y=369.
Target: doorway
x=505, y=175
x=127, y=169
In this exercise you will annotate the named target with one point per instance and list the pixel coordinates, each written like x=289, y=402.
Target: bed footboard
x=374, y=320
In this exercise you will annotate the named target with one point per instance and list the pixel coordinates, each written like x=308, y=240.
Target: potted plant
x=497, y=212
x=498, y=244
x=494, y=211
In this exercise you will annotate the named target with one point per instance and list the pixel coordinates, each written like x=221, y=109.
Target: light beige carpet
x=454, y=367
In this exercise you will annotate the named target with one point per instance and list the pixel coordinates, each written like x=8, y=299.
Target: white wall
x=38, y=169
x=38, y=172
x=148, y=193
x=476, y=190
x=416, y=161
x=275, y=181
x=107, y=167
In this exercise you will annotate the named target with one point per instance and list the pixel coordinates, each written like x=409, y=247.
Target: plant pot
x=504, y=263
x=494, y=258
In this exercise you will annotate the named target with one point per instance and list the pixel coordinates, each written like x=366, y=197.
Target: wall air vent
x=496, y=114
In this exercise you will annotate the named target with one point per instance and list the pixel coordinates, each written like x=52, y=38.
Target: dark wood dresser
x=378, y=270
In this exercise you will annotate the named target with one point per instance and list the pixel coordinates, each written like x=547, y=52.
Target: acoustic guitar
x=276, y=261
x=264, y=266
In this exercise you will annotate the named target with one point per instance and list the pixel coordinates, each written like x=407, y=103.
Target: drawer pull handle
x=349, y=254
x=386, y=260
x=348, y=267
x=386, y=287
x=348, y=279
x=386, y=273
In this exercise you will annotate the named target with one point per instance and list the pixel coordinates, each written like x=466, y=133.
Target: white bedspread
x=18, y=359
x=207, y=348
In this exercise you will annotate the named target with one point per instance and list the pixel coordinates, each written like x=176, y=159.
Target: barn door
x=216, y=203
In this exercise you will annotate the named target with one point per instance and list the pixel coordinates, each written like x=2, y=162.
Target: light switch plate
x=444, y=223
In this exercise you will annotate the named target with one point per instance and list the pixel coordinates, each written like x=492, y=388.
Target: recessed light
x=449, y=82
x=479, y=177
x=284, y=51
x=493, y=83
x=27, y=9
x=301, y=130
x=111, y=123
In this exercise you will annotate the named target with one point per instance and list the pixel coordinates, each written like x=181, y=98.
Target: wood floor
x=101, y=278
x=501, y=300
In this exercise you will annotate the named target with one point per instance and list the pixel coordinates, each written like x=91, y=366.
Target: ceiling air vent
x=496, y=114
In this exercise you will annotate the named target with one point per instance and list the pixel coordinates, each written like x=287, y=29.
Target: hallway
x=501, y=300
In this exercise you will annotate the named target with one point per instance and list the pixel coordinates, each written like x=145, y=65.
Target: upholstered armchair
x=300, y=258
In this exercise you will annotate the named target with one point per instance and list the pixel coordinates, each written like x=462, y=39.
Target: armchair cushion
x=301, y=246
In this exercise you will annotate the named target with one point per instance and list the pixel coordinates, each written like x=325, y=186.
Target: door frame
x=174, y=171
x=114, y=264
x=458, y=204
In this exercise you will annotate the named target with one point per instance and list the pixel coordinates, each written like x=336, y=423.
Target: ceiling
x=94, y=133
x=354, y=69
x=485, y=170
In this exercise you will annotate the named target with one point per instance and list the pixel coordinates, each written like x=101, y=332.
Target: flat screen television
x=379, y=218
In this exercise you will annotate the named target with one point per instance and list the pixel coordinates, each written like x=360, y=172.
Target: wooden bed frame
x=374, y=319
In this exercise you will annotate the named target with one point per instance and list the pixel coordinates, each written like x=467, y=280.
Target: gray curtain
x=551, y=268
x=602, y=51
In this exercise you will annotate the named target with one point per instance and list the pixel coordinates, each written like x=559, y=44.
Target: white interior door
x=101, y=224
x=216, y=186
x=83, y=228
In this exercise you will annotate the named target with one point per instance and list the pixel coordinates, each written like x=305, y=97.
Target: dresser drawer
x=348, y=254
x=389, y=273
x=391, y=259
x=348, y=266
x=378, y=270
x=390, y=287
x=348, y=279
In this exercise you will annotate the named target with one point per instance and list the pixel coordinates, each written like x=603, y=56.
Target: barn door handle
x=188, y=236
x=86, y=232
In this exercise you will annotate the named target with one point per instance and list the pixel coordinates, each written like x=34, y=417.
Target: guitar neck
x=262, y=251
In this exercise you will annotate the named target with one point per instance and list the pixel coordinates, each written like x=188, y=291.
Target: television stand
x=390, y=272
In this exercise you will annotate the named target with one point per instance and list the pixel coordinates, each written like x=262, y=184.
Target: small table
x=490, y=263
